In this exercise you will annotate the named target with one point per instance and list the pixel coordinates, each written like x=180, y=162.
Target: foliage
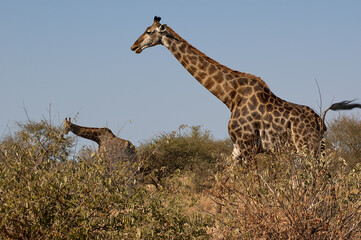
x=292, y=197
x=42, y=140
x=47, y=192
x=190, y=151
x=55, y=198
x=345, y=134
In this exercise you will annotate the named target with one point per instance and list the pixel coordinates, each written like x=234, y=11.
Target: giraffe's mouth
x=137, y=49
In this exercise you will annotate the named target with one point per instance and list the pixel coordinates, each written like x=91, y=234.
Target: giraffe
x=108, y=144
x=260, y=121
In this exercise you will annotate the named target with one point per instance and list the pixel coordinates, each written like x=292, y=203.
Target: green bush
x=46, y=195
x=43, y=141
x=189, y=150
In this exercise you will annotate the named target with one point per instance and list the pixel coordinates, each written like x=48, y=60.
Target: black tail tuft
x=345, y=105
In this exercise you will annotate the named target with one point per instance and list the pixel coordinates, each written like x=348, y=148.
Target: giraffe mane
x=211, y=60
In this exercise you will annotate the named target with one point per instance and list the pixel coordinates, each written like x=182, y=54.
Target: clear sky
x=74, y=58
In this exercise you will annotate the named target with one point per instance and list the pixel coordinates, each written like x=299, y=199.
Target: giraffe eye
x=149, y=32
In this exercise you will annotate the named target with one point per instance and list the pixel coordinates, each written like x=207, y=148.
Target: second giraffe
x=114, y=148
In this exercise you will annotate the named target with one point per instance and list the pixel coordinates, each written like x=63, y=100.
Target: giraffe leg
x=246, y=142
x=243, y=150
x=236, y=153
x=306, y=144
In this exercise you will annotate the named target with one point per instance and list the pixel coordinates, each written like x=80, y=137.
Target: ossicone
x=157, y=19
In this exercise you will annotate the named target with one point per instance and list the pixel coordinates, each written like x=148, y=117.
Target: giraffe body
x=111, y=146
x=260, y=121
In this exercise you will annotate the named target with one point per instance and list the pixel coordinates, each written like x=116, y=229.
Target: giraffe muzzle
x=136, y=49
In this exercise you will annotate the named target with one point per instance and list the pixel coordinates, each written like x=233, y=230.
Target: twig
x=288, y=214
x=320, y=95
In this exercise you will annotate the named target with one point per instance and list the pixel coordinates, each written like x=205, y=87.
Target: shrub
x=43, y=141
x=46, y=195
x=345, y=134
x=189, y=150
x=46, y=192
x=291, y=198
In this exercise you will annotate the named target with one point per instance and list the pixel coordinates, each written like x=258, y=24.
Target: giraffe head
x=67, y=123
x=153, y=35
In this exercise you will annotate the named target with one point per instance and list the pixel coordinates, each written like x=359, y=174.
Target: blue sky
x=73, y=58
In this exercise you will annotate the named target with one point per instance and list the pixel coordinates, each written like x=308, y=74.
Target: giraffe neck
x=94, y=134
x=220, y=80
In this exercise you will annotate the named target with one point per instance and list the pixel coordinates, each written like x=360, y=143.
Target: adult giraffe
x=259, y=119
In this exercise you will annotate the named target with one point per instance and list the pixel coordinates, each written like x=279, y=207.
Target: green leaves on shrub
x=46, y=194
x=189, y=149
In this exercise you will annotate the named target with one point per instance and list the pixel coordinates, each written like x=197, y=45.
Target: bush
x=47, y=192
x=43, y=141
x=46, y=195
x=188, y=150
x=288, y=200
x=344, y=133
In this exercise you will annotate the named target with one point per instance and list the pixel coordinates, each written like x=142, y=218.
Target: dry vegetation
x=345, y=135
x=185, y=186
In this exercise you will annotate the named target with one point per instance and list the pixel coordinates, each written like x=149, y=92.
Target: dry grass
x=310, y=201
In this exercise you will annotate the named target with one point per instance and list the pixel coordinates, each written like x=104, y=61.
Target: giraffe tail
x=344, y=105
